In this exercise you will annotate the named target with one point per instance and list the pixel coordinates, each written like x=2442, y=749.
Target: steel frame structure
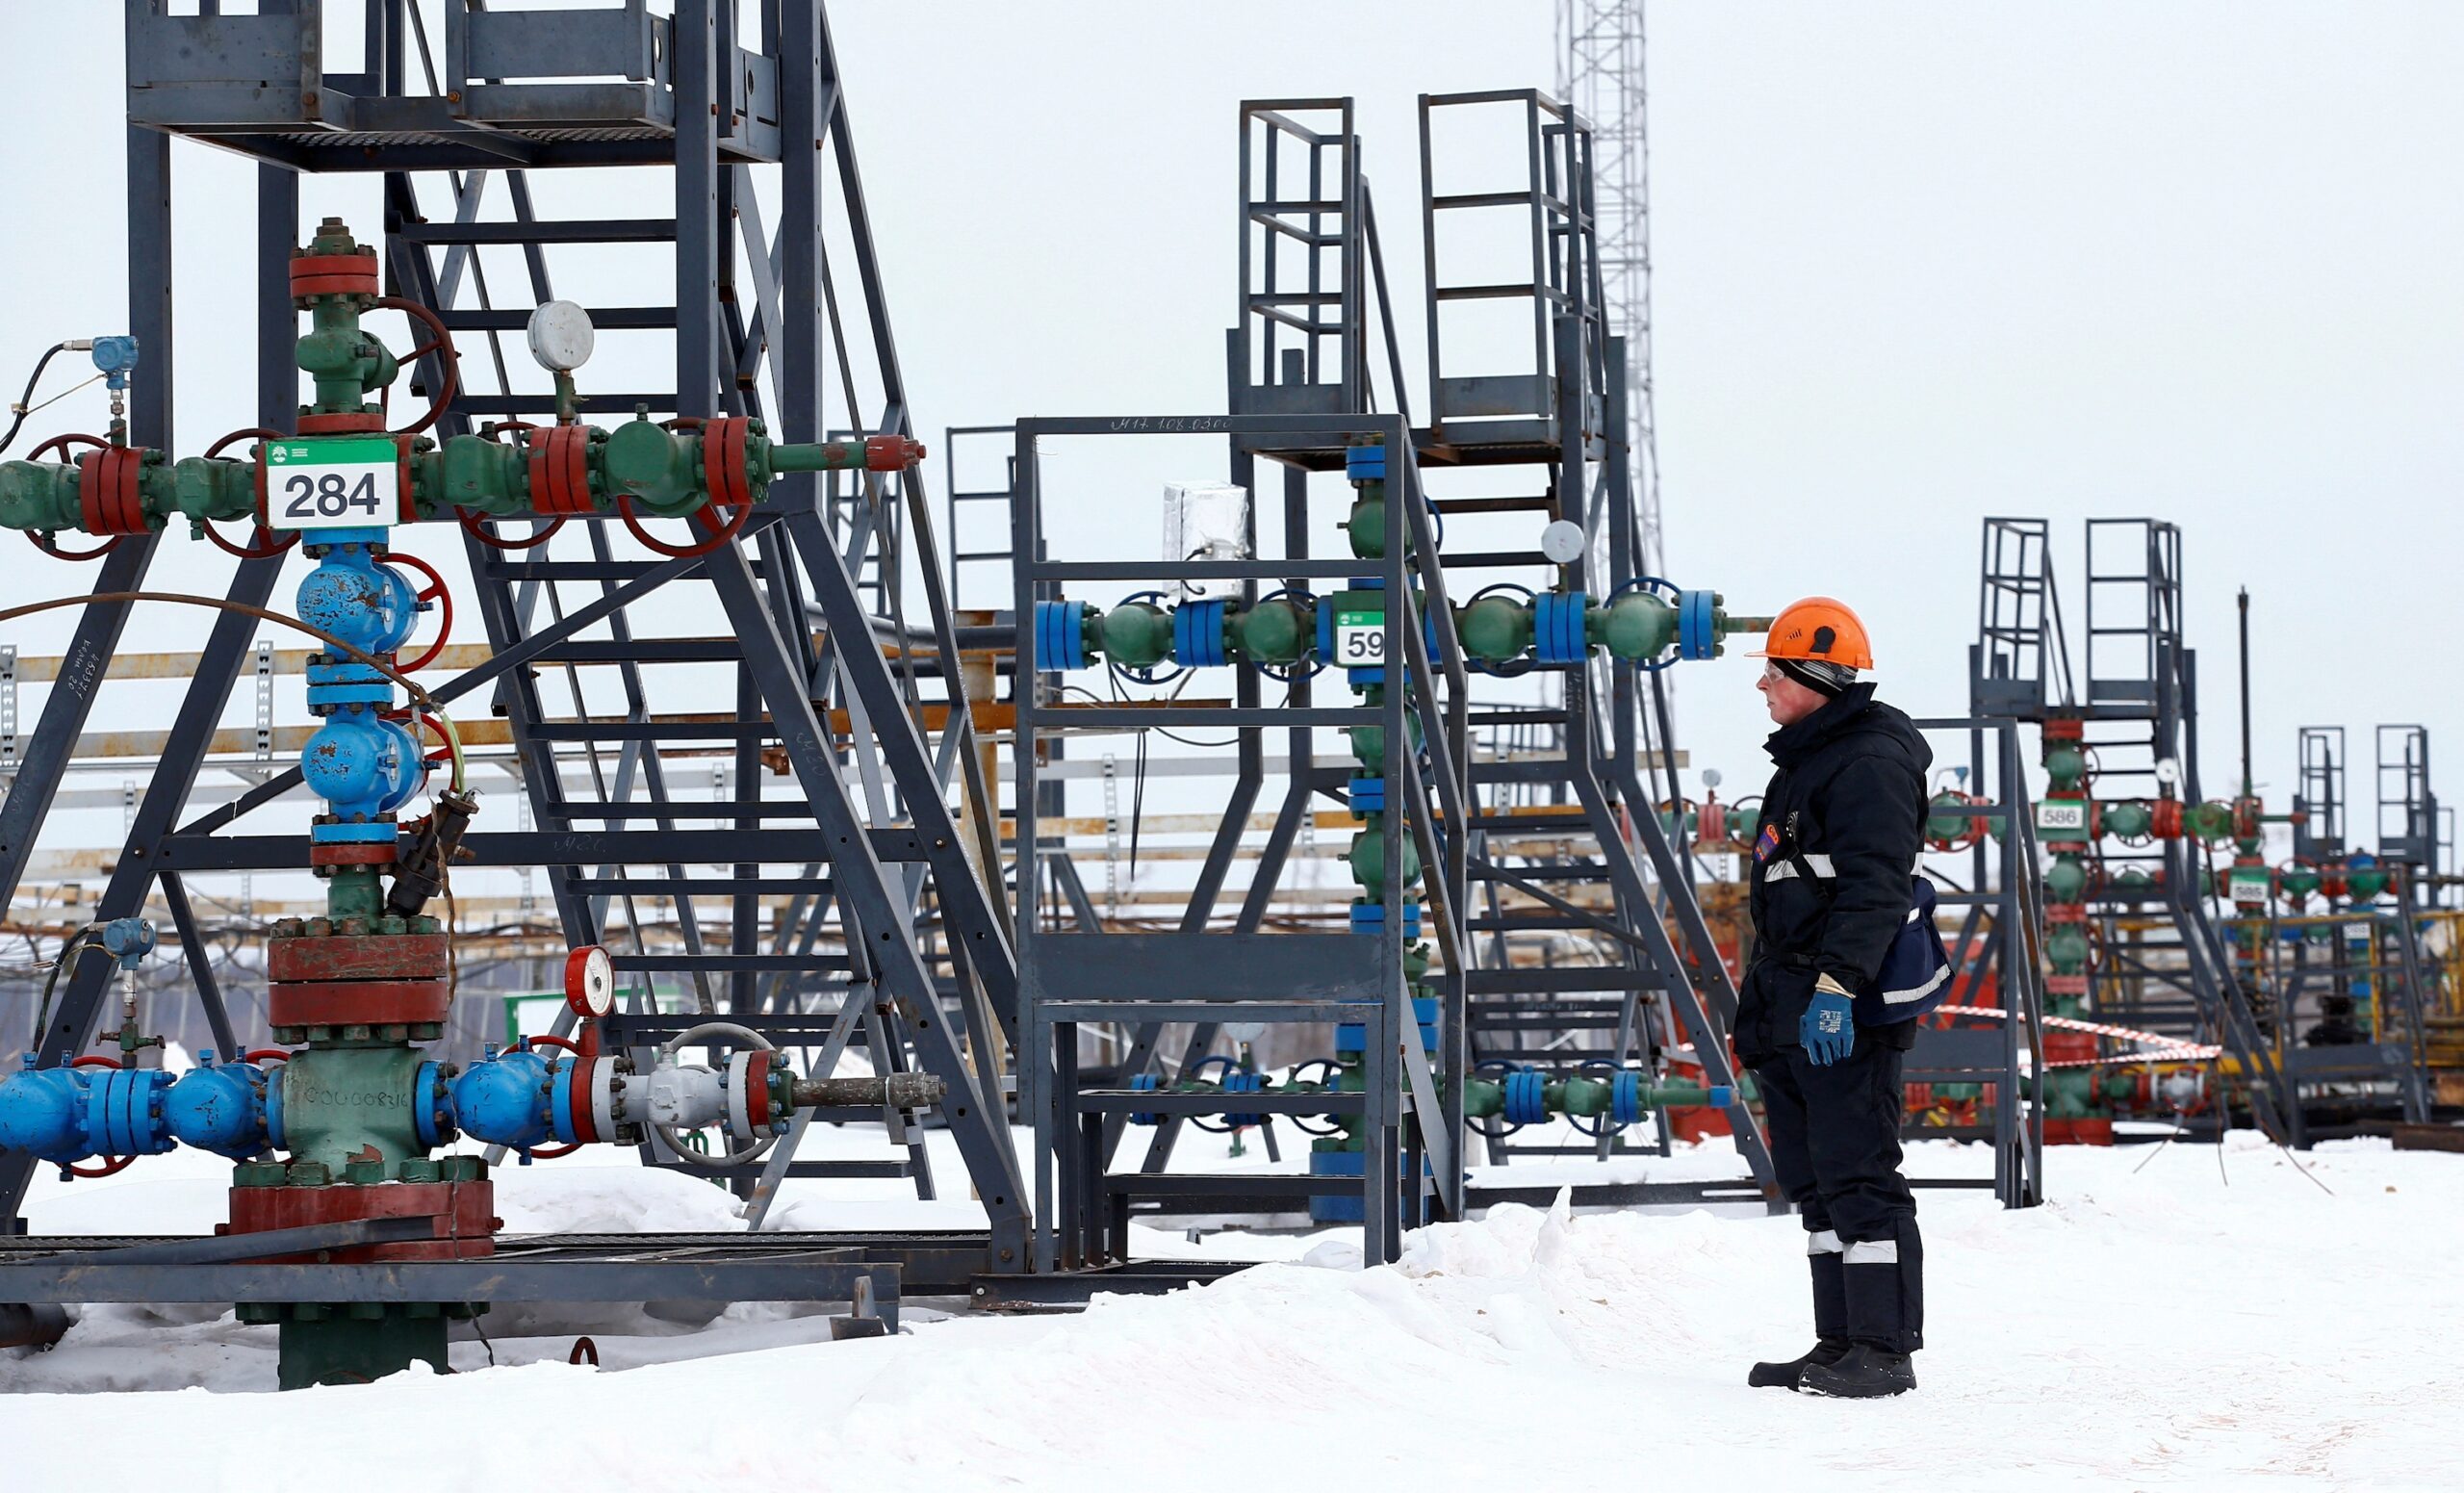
x=870, y=831
x=1411, y=1168
x=1602, y=75
x=1583, y=778
x=1301, y=381
x=2408, y=811
x=2318, y=801
x=2393, y=964
x=2142, y=676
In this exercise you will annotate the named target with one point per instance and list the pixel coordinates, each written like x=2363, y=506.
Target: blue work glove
x=1827, y=1030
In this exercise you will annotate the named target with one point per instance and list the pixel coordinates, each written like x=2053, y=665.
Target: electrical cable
x=1137, y=807
x=20, y=409
x=63, y=393
x=1113, y=680
x=419, y=694
x=79, y=944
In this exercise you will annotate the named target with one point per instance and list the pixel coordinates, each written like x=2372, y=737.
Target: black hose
x=28, y=398
x=79, y=943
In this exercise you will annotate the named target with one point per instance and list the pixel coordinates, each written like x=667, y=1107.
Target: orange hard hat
x=1821, y=630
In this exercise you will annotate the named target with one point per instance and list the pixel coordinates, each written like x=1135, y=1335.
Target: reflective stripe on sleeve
x=1903, y=997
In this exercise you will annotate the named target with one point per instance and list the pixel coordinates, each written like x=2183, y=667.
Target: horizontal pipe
x=894, y=1091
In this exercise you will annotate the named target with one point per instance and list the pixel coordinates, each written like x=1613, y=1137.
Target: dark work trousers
x=1835, y=1146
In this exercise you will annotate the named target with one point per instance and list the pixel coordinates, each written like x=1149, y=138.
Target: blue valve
x=71, y=1114
x=43, y=1111
x=503, y=1101
x=220, y=1109
x=363, y=765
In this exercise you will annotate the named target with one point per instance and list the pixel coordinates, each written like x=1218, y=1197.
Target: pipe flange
x=740, y=1083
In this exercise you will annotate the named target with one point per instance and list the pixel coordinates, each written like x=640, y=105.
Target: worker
x=1821, y=1020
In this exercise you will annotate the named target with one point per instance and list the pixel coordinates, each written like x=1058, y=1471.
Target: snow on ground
x=2188, y=1317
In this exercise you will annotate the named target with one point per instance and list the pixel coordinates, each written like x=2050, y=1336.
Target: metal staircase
x=1314, y=306
x=805, y=915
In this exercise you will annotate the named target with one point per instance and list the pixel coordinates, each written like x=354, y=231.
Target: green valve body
x=2209, y=821
x=2066, y=948
x=1367, y=861
x=1636, y=625
x=1278, y=631
x=343, y=1102
x=2066, y=767
x=2067, y=879
x=1136, y=634
x=1494, y=629
x=2129, y=818
x=1949, y=821
x=1368, y=742
x=345, y=364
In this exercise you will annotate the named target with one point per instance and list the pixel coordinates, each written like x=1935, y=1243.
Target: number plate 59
x=349, y=482
x=1360, y=639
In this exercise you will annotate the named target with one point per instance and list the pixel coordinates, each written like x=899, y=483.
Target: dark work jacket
x=1849, y=802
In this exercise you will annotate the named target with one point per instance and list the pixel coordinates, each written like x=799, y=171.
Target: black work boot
x=1830, y=1315
x=1863, y=1372
x=1786, y=1376
x=1886, y=1291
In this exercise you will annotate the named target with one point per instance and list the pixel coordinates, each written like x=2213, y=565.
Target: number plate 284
x=345, y=482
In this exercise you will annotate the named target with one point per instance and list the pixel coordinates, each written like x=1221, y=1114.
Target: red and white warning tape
x=2155, y=1046
x=2165, y=1049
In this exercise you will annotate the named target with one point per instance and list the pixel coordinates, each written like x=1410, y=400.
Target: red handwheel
x=714, y=533
x=723, y=478
x=263, y=545
x=445, y=750
x=441, y=344
x=435, y=591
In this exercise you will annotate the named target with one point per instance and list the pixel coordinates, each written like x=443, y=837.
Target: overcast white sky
x=1917, y=263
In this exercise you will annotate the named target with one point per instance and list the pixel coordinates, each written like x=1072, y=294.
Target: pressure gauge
x=561, y=336
x=1710, y=777
x=2167, y=771
x=590, y=981
x=1562, y=542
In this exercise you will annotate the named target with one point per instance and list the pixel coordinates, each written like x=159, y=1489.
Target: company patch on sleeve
x=1766, y=844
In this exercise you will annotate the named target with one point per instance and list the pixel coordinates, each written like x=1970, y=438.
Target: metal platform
x=721, y=1267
